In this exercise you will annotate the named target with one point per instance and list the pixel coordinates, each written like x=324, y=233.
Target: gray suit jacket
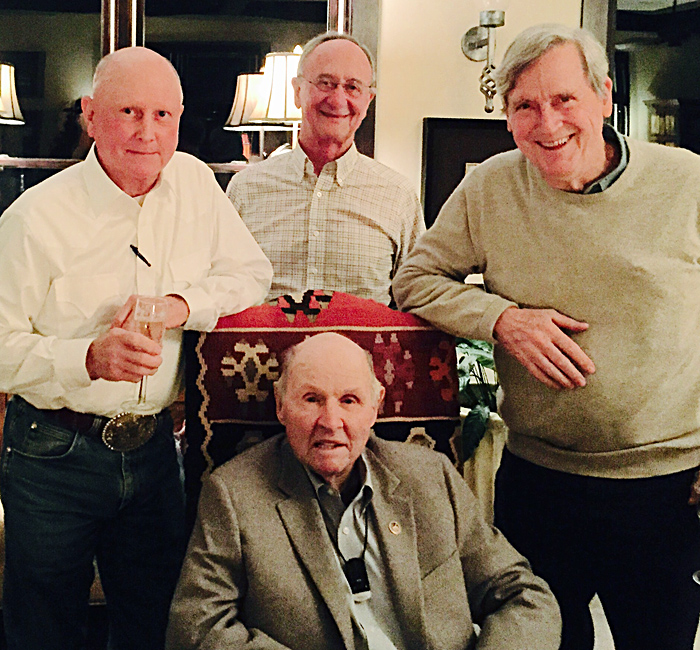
x=261, y=571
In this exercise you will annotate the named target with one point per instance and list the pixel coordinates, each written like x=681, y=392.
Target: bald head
x=131, y=62
x=133, y=116
x=323, y=347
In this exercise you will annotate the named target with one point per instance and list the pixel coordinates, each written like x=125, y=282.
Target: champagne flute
x=148, y=318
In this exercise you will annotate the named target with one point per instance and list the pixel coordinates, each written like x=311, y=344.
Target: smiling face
x=133, y=116
x=328, y=405
x=331, y=119
x=556, y=119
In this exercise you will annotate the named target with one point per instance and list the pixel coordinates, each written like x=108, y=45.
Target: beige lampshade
x=276, y=102
x=9, y=106
x=248, y=87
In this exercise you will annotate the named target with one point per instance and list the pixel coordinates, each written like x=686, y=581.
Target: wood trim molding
x=123, y=24
x=598, y=17
x=339, y=16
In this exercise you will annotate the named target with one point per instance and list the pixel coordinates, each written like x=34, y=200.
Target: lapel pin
x=395, y=527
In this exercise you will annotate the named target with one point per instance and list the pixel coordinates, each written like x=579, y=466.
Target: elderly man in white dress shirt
x=79, y=480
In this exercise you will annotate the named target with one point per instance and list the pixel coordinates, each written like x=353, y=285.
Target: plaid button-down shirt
x=345, y=230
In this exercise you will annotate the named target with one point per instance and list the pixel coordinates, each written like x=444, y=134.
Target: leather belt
x=85, y=424
x=124, y=432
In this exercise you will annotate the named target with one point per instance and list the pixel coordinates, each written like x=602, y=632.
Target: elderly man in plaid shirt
x=325, y=215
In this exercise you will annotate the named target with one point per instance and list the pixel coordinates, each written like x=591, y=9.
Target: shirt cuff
x=203, y=314
x=70, y=364
x=490, y=316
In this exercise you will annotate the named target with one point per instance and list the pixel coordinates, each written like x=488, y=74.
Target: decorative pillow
x=230, y=402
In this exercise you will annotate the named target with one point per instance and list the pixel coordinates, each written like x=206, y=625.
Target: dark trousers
x=634, y=542
x=69, y=499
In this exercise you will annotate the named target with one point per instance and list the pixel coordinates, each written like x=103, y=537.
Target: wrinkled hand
x=120, y=355
x=178, y=312
x=695, y=490
x=535, y=337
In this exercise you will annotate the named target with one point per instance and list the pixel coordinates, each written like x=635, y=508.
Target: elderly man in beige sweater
x=589, y=245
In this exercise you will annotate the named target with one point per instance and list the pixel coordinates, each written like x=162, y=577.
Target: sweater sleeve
x=430, y=283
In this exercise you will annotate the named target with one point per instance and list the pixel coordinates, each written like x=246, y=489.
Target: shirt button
x=346, y=531
x=313, y=270
x=316, y=233
x=318, y=194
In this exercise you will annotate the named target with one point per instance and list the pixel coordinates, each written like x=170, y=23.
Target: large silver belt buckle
x=128, y=431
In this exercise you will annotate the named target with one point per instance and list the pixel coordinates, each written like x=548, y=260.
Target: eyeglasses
x=352, y=88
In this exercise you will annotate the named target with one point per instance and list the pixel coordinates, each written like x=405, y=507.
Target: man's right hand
x=536, y=339
x=120, y=355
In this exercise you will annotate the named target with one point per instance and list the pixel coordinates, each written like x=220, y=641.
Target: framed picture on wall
x=450, y=147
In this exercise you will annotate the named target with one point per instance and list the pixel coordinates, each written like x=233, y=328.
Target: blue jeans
x=68, y=499
x=634, y=542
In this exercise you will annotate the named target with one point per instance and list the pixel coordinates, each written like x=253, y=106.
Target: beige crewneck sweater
x=626, y=261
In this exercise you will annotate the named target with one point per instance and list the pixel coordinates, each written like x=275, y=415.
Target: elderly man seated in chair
x=328, y=538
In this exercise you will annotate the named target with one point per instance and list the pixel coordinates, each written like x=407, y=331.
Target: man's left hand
x=178, y=312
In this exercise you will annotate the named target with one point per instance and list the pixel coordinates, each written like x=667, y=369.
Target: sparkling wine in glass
x=148, y=319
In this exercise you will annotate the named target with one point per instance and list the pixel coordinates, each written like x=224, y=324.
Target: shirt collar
x=340, y=168
x=366, y=486
x=611, y=136
x=103, y=191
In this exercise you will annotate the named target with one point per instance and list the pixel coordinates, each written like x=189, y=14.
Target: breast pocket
x=189, y=269
x=80, y=303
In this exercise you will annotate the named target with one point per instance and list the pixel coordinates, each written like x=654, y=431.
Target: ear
x=380, y=401
x=296, y=84
x=608, y=102
x=86, y=104
x=279, y=406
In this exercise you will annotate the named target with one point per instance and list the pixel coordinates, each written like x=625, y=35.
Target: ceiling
x=301, y=10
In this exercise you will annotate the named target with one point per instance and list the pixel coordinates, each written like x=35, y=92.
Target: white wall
x=423, y=73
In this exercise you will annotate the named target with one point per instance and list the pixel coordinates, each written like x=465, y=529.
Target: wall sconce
x=9, y=106
x=479, y=44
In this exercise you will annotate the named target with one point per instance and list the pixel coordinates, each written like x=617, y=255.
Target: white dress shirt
x=66, y=267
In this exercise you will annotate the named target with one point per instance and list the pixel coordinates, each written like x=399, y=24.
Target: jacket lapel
x=304, y=524
x=396, y=533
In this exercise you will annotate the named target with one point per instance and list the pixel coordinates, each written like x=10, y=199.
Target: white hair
x=534, y=42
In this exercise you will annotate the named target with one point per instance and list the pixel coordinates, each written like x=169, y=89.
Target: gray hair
x=534, y=42
x=103, y=70
x=288, y=362
x=334, y=36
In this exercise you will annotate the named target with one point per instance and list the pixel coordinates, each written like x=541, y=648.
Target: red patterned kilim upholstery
x=230, y=373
